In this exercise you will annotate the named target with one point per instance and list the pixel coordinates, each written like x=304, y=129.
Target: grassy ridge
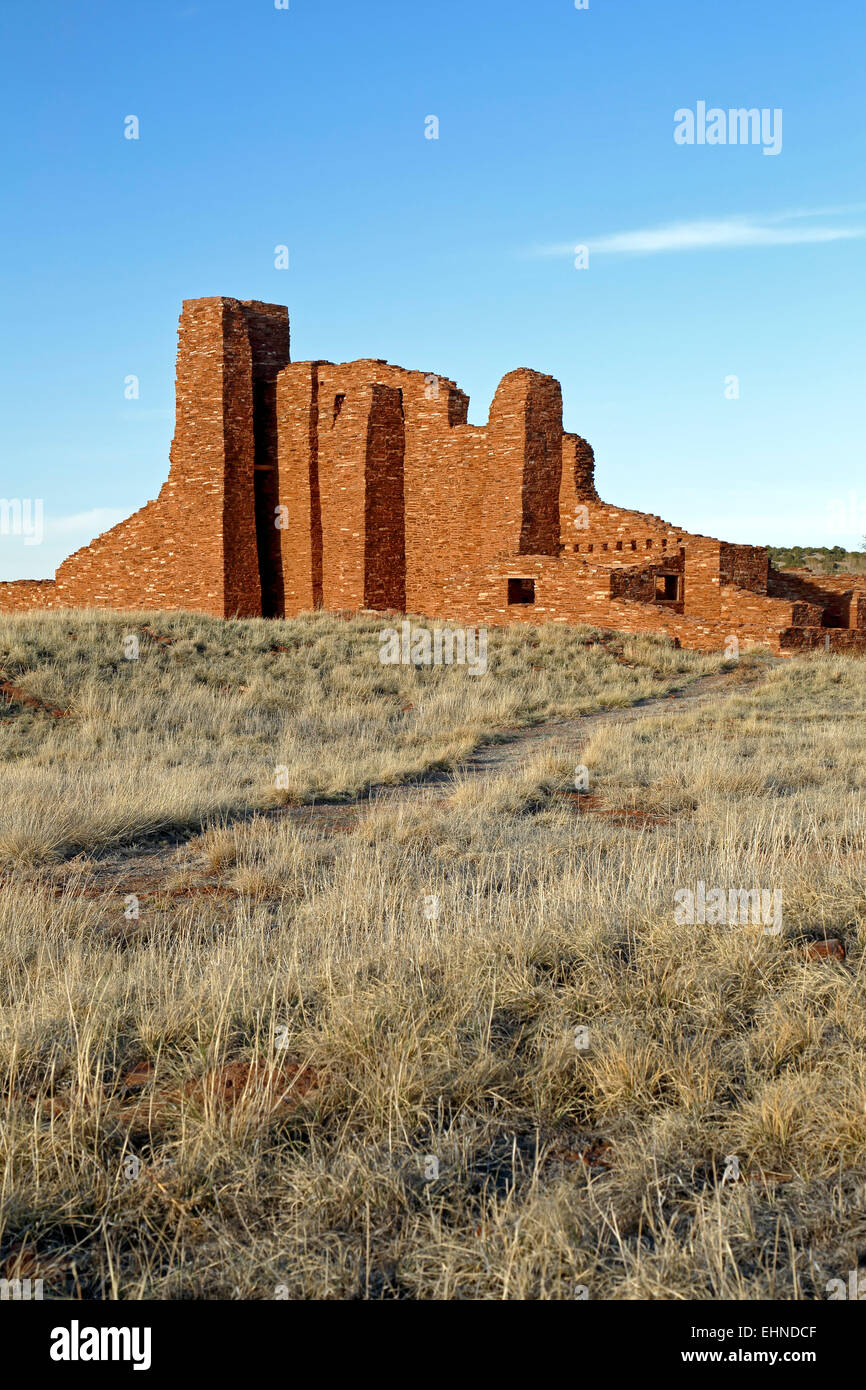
x=197, y=725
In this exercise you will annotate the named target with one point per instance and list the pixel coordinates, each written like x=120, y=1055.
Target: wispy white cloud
x=716, y=234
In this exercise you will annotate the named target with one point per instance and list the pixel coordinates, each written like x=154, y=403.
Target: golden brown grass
x=200, y=727
x=421, y=1117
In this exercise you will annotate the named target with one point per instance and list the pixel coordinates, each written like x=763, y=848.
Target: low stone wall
x=850, y=641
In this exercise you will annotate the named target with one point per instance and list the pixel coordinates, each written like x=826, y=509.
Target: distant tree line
x=820, y=559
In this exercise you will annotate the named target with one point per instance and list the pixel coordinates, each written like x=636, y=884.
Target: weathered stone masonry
x=296, y=486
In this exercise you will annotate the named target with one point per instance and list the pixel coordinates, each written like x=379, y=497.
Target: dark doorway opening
x=667, y=588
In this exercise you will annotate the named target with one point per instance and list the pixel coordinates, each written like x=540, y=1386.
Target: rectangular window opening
x=521, y=591
x=667, y=588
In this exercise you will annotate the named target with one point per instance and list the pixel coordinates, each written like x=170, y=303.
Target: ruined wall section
x=577, y=489
x=406, y=492
x=702, y=583
x=360, y=440
x=27, y=595
x=420, y=508
x=747, y=566
x=648, y=546
x=524, y=466
x=617, y=536
x=362, y=485
x=574, y=589
x=134, y=565
x=473, y=493
x=846, y=641
x=194, y=547
x=230, y=485
x=173, y=552
x=300, y=534
x=614, y=535
x=444, y=473
x=343, y=426
x=444, y=531
x=639, y=583
x=542, y=465
x=839, y=599
x=581, y=459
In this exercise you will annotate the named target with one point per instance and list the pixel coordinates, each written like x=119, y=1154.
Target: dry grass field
x=419, y=1017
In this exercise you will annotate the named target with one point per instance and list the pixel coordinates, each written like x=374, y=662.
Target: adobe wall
x=747, y=566
x=23, y=595
x=523, y=466
x=360, y=479
x=380, y=464
x=295, y=486
x=194, y=547
x=367, y=473
x=849, y=642
x=300, y=534
x=585, y=592
x=837, y=600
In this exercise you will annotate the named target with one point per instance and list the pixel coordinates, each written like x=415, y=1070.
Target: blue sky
x=305, y=127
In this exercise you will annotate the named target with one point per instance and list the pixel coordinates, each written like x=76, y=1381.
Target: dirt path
x=144, y=868
x=492, y=759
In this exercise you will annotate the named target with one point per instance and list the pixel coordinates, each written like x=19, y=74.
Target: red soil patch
x=583, y=802
x=139, y=1075
x=279, y=1085
x=276, y=1088
x=764, y=1176
x=17, y=696
x=144, y=894
x=68, y=890
x=595, y=1153
x=158, y=637
x=825, y=950
x=140, y=1102
x=24, y=1261
x=204, y=890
